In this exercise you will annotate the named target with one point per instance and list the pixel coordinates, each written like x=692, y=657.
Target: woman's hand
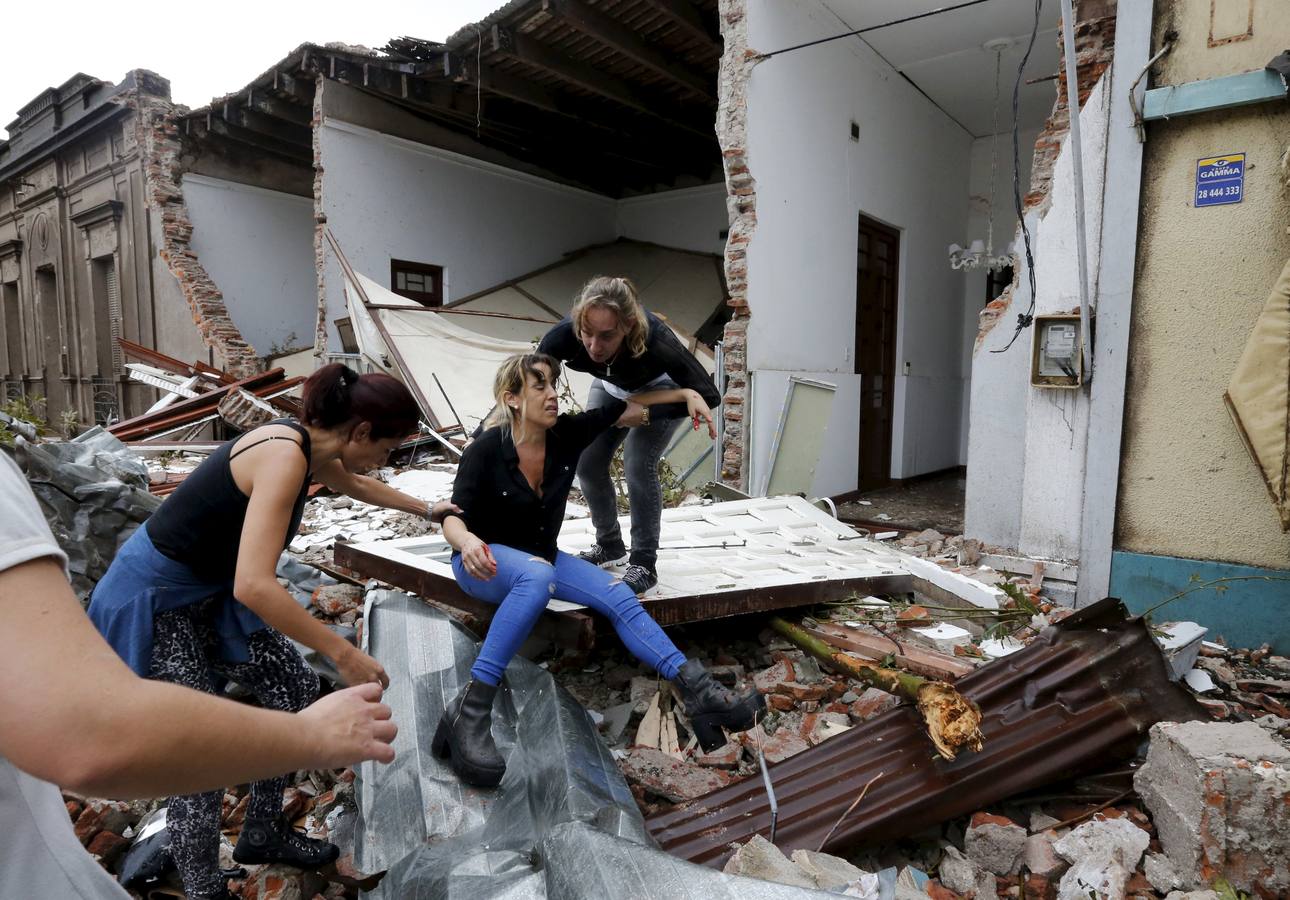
x=477, y=558
x=356, y=667
x=632, y=416
x=698, y=409
x=441, y=509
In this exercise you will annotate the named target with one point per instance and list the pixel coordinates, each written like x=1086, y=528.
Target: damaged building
x=879, y=226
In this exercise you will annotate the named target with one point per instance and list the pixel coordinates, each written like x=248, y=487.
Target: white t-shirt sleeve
x=24, y=534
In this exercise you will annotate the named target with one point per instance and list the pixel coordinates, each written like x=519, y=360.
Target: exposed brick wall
x=1094, y=50
x=157, y=132
x=320, y=222
x=737, y=61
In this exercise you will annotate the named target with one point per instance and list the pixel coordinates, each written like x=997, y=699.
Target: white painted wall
x=909, y=169
x=1027, y=446
x=257, y=246
x=386, y=197
x=1005, y=231
x=688, y=219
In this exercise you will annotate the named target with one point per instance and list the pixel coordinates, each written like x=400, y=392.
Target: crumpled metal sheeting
x=562, y=823
x=94, y=493
x=1082, y=695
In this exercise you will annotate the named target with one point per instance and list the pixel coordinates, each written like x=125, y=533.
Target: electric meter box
x=1058, y=357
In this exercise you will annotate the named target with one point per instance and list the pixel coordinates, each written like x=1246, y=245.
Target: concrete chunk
x=995, y=843
x=1105, y=840
x=828, y=872
x=1091, y=877
x=1216, y=792
x=759, y=858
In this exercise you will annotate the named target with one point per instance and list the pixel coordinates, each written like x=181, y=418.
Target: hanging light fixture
x=980, y=254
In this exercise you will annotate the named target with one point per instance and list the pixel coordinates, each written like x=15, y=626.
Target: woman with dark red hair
x=192, y=597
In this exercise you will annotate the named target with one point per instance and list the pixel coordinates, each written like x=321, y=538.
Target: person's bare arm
x=367, y=489
x=73, y=713
x=276, y=480
x=696, y=406
x=475, y=554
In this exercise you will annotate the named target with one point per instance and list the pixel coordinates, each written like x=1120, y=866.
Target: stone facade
x=74, y=250
x=87, y=176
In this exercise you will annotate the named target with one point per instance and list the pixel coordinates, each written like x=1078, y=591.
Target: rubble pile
x=1207, y=817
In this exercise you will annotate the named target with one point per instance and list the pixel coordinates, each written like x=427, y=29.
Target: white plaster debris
x=1199, y=681
x=996, y=648
x=943, y=637
x=1181, y=645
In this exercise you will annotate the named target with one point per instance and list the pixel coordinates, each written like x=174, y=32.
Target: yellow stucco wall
x=1187, y=486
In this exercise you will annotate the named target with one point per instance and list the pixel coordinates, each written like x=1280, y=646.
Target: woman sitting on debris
x=509, y=499
x=192, y=597
x=611, y=336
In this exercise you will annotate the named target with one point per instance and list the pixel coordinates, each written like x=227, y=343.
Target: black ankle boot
x=275, y=841
x=710, y=706
x=465, y=736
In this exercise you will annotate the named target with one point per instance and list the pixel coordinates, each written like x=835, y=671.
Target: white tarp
x=430, y=346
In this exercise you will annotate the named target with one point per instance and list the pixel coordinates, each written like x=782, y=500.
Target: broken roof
x=615, y=95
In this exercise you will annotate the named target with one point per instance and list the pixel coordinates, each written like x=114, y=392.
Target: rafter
x=608, y=31
x=510, y=43
x=690, y=21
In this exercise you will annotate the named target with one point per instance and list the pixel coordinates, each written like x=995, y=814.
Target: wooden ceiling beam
x=691, y=22
x=260, y=100
x=665, y=142
x=514, y=45
x=270, y=126
x=229, y=131
x=610, y=32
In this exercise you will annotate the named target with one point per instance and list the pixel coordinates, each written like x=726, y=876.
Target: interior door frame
x=889, y=353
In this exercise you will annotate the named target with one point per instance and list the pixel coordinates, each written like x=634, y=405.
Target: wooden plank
x=612, y=33
x=690, y=22
x=919, y=660
x=204, y=404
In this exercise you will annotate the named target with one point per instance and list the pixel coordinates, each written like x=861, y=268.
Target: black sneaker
x=640, y=578
x=599, y=556
x=275, y=841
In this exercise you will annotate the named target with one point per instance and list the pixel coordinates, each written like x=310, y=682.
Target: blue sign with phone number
x=1220, y=180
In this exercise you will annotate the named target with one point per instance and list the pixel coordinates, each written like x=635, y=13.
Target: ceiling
x=944, y=54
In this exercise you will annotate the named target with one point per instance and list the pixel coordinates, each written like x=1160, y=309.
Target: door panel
x=877, y=258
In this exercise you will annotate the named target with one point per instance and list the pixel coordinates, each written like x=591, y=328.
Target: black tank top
x=200, y=524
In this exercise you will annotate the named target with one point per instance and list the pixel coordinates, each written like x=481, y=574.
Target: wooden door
x=877, y=261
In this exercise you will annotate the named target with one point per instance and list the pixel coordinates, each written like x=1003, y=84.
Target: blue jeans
x=523, y=585
x=645, y=446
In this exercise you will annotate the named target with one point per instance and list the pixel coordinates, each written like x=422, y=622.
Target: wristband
x=644, y=416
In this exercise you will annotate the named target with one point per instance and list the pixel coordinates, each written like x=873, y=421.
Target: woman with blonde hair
x=508, y=503
x=610, y=335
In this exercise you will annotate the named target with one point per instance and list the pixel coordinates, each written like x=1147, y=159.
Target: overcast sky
x=205, y=49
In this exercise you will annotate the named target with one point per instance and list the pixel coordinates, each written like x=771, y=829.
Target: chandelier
x=980, y=254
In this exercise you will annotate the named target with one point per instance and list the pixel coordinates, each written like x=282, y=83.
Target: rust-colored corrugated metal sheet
x=1081, y=696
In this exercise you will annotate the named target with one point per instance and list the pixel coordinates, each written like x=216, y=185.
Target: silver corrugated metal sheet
x=562, y=823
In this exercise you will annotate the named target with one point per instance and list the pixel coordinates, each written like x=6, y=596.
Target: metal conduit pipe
x=1077, y=160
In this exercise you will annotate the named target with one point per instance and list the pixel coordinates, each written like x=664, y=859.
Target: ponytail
x=335, y=396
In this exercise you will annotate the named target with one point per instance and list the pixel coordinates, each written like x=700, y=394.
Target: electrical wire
x=859, y=31
x=1024, y=319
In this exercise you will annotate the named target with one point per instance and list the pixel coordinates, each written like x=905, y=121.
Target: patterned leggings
x=185, y=651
